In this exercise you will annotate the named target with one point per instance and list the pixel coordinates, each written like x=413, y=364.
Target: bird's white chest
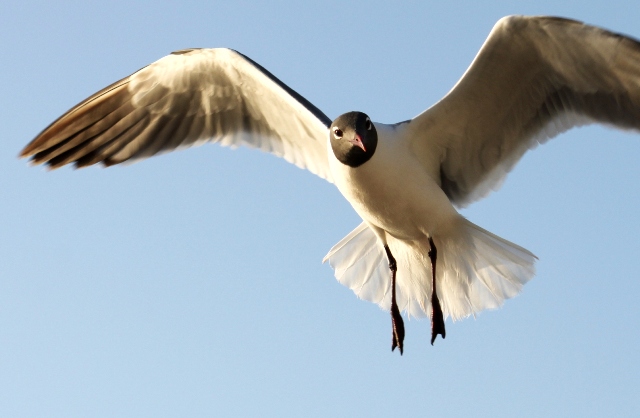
x=393, y=191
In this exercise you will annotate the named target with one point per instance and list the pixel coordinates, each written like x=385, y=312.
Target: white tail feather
x=361, y=265
x=476, y=270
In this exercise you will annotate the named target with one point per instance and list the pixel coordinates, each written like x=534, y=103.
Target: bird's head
x=353, y=138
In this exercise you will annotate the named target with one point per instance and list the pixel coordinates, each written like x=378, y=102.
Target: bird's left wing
x=184, y=99
x=533, y=78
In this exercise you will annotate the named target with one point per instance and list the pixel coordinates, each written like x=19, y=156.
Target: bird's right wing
x=184, y=99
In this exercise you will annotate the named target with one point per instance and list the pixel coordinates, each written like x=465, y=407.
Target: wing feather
x=533, y=78
x=185, y=99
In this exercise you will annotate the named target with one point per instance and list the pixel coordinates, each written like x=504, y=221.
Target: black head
x=353, y=138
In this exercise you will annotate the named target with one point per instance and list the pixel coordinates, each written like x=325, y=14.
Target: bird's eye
x=368, y=124
x=337, y=132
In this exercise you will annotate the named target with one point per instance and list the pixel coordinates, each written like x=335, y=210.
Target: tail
x=476, y=270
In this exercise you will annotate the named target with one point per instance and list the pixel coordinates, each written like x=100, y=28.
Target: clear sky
x=191, y=284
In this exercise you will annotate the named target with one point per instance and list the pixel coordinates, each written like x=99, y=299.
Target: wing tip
x=31, y=148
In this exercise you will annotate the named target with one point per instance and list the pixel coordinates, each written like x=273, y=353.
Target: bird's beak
x=357, y=141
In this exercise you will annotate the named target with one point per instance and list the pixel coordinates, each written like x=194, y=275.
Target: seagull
x=533, y=78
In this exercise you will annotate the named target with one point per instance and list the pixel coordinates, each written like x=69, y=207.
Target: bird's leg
x=437, y=320
x=397, y=324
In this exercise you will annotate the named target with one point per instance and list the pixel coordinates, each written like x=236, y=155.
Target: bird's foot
x=397, y=326
x=437, y=319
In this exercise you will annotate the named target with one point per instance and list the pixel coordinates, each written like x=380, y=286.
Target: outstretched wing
x=533, y=78
x=184, y=99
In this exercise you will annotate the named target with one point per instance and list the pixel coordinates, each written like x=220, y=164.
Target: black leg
x=397, y=324
x=437, y=319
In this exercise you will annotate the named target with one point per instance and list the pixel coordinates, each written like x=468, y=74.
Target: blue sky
x=191, y=284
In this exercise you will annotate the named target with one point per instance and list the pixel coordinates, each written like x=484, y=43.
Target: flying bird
x=533, y=78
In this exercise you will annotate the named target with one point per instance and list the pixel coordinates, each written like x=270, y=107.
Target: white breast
x=393, y=190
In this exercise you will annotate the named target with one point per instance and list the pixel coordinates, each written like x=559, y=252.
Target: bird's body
x=403, y=205
x=411, y=212
x=534, y=78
